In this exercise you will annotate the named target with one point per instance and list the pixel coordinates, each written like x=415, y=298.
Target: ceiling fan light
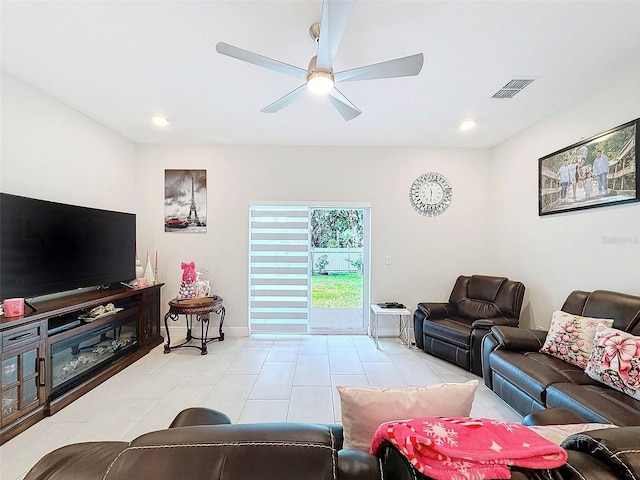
x=320, y=83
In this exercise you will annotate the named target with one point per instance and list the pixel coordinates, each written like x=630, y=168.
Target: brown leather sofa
x=201, y=444
x=531, y=381
x=454, y=330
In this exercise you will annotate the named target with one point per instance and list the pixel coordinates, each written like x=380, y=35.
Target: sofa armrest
x=436, y=309
x=617, y=447
x=487, y=323
x=357, y=465
x=552, y=416
x=395, y=465
x=489, y=344
x=519, y=339
x=426, y=311
x=88, y=461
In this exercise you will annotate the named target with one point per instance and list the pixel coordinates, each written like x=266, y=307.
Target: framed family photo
x=596, y=172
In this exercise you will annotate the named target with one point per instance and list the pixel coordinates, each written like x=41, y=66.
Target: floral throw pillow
x=570, y=337
x=615, y=360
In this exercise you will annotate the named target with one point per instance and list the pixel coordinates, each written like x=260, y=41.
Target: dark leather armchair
x=454, y=330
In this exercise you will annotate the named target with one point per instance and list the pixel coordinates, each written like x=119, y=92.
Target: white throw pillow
x=615, y=360
x=570, y=337
x=365, y=408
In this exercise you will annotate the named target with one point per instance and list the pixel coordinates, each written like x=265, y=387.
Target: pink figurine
x=188, y=272
x=187, y=286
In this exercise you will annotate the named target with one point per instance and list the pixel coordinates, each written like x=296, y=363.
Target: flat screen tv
x=48, y=247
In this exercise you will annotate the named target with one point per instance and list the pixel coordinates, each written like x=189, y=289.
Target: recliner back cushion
x=575, y=302
x=269, y=451
x=506, y=296
x=459, y=290
x=477, y=309
x=623, y=308
x=483, y=287
x=509, y=298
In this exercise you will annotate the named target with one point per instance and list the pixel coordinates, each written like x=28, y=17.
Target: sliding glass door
x=339, y=249
x=308, y=269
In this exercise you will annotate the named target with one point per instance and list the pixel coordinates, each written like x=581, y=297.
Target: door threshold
x=278, y=328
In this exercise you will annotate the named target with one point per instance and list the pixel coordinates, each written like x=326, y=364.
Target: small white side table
x=401, y=315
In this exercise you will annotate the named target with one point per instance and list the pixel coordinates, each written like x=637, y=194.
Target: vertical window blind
x=279, y=268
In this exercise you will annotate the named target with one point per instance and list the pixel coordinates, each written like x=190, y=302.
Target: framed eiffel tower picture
x=185, y=201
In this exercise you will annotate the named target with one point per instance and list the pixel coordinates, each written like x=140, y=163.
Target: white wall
x=52, y=152
x=584, y=250
x=427, y=253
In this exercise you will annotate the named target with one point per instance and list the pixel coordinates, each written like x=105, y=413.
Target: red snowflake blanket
x=463, y=448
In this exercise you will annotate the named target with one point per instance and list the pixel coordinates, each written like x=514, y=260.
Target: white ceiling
x=120, y=62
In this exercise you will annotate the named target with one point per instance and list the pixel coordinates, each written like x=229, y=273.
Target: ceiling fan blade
x=288, y=99
x=333, y=23
x=347, y=109
x=400, y=67
x=260, y=60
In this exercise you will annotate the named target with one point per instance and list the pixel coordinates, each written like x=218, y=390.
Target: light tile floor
x=253, y=379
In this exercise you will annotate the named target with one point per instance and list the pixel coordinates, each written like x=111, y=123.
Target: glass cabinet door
x=20, y=382
x=9, y=371
x=9, y=386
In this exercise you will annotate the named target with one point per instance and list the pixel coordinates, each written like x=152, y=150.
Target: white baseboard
x=178, y=332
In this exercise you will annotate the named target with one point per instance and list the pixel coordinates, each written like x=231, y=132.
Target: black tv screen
x=48, y=247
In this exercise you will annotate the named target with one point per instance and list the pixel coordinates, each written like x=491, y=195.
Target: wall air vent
x=512, y=87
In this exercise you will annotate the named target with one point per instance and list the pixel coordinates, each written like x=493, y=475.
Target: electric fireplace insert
x=75, y=357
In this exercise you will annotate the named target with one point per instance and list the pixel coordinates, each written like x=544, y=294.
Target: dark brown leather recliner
x=201, y=444
x=454, y=330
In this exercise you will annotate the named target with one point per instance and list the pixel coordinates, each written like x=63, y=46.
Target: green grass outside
x=341, y=290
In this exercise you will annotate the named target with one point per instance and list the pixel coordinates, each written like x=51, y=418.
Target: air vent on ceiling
x=512, y=87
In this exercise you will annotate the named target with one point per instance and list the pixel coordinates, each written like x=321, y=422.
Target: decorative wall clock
x=431, y=194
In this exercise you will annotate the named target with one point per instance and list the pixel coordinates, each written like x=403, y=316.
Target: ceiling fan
x=319, y=77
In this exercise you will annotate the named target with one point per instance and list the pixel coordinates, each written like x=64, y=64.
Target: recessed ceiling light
x=468, y=124
x=160, y=120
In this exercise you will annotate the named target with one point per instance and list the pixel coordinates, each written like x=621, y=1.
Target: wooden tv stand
x=54, y=355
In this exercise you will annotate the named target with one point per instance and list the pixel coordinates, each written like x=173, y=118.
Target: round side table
x=201, y=309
